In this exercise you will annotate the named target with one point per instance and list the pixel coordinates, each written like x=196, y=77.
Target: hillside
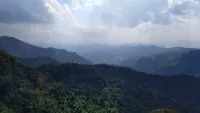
x=152, y=63
x=151, y=91
x=187, y=63
x=24, y=90
x=21, y=49
x=75, y=88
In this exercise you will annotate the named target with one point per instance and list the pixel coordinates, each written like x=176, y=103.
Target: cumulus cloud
x=100, y=21
x=130, y=13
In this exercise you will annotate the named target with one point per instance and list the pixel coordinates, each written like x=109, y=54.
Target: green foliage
x=25, y=90
x=74, y=88
x=120, y=87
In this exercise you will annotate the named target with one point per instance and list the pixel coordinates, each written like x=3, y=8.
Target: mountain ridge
x=150, y=64
x=22, y=49
x=188, y=63
x=117, y=54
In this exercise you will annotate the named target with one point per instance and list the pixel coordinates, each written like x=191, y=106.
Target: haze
x=69, y=22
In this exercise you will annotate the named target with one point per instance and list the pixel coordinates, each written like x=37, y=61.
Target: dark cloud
x=24, y=11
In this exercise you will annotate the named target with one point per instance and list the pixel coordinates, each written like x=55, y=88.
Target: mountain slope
x=151, y=63
x=75, y=88
x=36, y=62
x=137, y=92
x=72, y=88
x=187, y=63
x=25, y=90
x=21, y=49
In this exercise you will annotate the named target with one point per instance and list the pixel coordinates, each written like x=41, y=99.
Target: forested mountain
x=187, y=63
x=117, y=54
x=152, y=63
x=21, y=49
x=75, y=88
x=36, y=62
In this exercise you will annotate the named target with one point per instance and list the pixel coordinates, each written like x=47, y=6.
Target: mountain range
x=152, y=63
x=111, y=54
x=143, y=58
x=187, y=63
x=35, y=79
x=184, y=61
x=22, y=49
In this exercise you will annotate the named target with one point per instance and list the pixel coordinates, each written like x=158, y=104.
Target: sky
x=63, y=22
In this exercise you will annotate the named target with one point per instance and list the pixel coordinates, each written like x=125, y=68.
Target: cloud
x=131, y=13
x=29, y=11
x=124, y=13
x=185, y=8
x=49, y=22
x=37, y=21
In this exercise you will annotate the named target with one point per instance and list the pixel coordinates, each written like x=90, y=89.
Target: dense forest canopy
x=75, y=88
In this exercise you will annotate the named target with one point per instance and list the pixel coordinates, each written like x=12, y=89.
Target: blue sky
x=94, y=21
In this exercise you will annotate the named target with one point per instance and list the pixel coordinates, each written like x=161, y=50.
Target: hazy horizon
x=96, y=46
x=112, y=22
